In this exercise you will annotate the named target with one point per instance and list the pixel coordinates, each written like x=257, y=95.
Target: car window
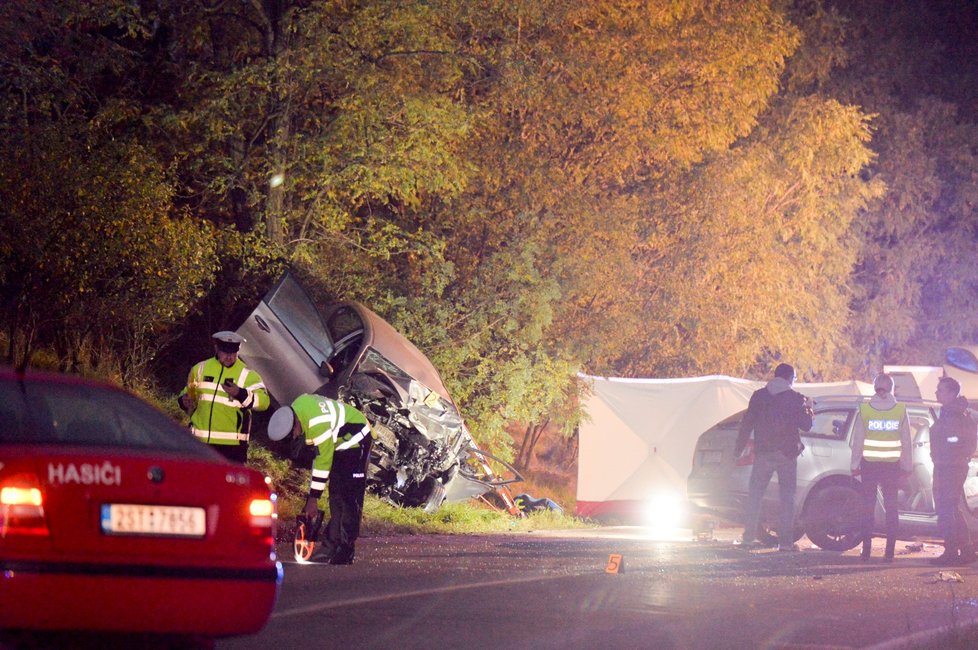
x=343, y=322
x=50, y=412
x=346, y=329
x=833, y=424
x=295, y=311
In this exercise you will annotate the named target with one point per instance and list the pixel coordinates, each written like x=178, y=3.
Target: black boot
x=343, y=554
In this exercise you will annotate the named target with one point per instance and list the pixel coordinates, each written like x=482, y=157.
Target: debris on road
x=913, y=548
x=948, y=576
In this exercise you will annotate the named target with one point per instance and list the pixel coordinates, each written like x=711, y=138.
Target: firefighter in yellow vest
x=881, y=456
x=340, y=438
x=219, y=396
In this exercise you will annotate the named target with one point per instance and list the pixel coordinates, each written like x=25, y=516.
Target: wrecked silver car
x=423, y=455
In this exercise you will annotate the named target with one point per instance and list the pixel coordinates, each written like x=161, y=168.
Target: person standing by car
x=881, y=456
x=219, y=396
x=341, y=438
x=775, y=414
x=953, y=441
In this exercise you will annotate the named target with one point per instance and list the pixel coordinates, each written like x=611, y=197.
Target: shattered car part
x=423, y=454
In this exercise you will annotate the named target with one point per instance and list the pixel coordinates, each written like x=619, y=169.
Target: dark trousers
x=237, y=453
x=886, y=476
x=948, y=492
x=766, y=463
x=347, y=484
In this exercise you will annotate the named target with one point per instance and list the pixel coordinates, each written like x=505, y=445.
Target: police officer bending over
x=341, y=438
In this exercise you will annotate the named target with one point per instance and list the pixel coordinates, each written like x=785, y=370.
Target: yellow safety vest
x=882, y=442
x=217, y=419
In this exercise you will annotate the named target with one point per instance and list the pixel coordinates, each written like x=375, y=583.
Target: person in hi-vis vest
x=881, y=457
x=339, y=437
x=219, y=396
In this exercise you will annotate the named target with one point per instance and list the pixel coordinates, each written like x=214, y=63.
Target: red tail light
x=22, y=507
x=747, y=456
x=262, y=514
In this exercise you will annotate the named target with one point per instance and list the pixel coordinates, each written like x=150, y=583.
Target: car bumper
x=724, y=496
x=207, y=601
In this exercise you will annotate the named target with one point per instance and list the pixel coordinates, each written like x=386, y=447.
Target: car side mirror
x=325, y=370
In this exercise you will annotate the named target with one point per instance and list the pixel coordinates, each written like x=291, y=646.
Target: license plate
x=166, y=521
x=711, y=457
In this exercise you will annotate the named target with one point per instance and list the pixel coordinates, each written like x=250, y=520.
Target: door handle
x=262, y=324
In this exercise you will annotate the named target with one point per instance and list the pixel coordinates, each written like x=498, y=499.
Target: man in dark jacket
x=774, y=415
x=952, y=442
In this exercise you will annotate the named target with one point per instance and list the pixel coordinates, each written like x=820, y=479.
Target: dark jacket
x=775, y=414
x=953, y=437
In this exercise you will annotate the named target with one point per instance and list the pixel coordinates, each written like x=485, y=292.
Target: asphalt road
x=551, y=590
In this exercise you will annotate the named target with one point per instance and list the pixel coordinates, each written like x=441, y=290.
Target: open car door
x=287, y=342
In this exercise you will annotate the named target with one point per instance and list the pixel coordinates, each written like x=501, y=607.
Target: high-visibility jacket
x=330, y=426
x=882, y=442
x=218, y=419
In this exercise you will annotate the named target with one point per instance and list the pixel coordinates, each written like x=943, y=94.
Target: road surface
x=552, y=590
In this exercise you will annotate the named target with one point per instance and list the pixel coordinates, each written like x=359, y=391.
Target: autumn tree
x=590, y=109
x=93, y=258
x=749, y=263
x=915, y=287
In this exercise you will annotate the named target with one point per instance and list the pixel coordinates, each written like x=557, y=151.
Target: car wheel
x=832, y=518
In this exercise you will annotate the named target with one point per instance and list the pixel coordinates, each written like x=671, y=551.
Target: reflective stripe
x=317, y=485
x=330, y=418
x=364, y=432
x=221, y=397
x=883, y=443
x=328, y=435
x=252, y=398
x=320, y=419
x=320, y=473
x=881, y=455
x=218, y=435
x=225, y=401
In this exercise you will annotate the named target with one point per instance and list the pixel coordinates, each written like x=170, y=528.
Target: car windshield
x=429, y=412
x=52, y=412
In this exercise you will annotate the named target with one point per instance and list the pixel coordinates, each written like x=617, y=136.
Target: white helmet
x=281, y=423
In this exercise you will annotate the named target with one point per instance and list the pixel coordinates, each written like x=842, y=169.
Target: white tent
x=638, y=439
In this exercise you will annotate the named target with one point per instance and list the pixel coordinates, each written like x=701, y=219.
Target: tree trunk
x=531, y=437
x=279, y=127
